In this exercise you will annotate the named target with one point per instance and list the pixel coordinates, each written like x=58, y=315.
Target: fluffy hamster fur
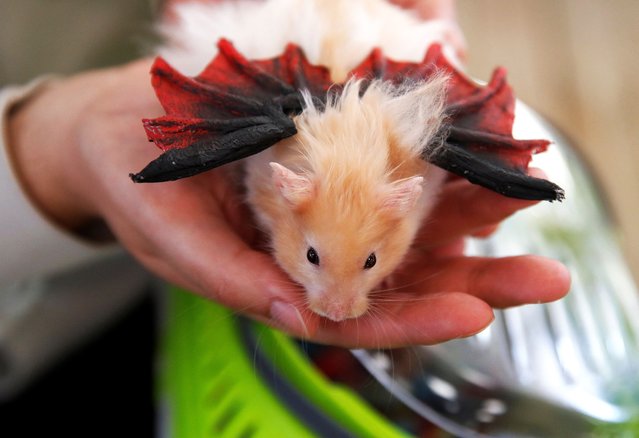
x=351, y=184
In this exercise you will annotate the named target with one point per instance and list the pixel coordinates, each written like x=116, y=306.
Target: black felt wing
x=479, y=145
x=233, y=109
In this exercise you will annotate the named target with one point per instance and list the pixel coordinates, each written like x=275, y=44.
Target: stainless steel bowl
x=564, y=369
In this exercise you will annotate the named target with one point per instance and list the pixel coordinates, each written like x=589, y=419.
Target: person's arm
x=31, y=244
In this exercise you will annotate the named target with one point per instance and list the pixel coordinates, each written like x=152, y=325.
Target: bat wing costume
x=238, y=107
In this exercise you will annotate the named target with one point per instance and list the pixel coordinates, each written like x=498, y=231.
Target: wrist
x=39, y=145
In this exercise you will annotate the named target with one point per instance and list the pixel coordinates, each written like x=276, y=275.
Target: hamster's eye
x=370, y=261
x=312, y=256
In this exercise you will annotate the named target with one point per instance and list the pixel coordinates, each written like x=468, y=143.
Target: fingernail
x=288, y=318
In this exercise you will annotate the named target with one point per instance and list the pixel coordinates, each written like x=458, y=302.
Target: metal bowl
x=568, y=368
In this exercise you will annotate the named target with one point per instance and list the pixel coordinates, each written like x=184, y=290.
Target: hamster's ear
x=402, y=195
x=296, y=189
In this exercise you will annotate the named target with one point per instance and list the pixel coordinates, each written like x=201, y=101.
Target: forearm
x=48, y=118
x=31, y=244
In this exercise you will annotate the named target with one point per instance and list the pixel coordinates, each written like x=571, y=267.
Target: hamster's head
x=340, y=243
x=352, y=192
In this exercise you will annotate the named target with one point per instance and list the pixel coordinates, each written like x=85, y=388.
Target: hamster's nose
x=339, y=310
x=337, y=313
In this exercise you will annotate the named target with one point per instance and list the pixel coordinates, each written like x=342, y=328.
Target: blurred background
x=66, y=36
x=574, y=61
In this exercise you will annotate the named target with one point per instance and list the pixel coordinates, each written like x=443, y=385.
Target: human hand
x=440, y=294
x=75, y=144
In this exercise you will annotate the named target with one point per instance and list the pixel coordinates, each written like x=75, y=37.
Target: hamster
x=343, y=199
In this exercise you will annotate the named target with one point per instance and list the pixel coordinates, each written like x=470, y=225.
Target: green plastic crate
x=210, y=385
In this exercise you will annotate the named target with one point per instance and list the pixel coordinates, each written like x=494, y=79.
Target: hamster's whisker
x=402, y=299
x=288, y=283
x=403, y=285
x=378, y=315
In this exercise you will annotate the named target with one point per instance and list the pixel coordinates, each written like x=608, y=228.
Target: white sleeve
x=30, y=245
x=56, y=291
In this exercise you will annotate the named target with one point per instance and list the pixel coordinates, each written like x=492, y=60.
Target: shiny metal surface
x=564, y=369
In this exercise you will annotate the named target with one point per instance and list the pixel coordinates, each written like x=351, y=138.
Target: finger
x=249, y=282
x=294, y=318
x=226, y=269
x=501, y=282
x=220, y=266
x=185, y=227
x=432, y=319
x=464, y=209
x=485, y=231
x=418, y=256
